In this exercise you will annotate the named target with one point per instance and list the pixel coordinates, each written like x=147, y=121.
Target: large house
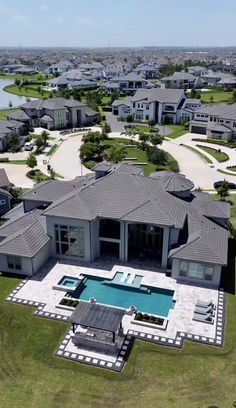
x=120, y=214
x=217, y=122
x=7, y=129
x=5, y=196
x=130, y=83
x=182, y=80
x=160, y=105
x=55, y=113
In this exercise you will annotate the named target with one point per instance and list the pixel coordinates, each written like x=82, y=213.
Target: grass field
x=28, y=91
x=219, y=156
x=52, y=150
x=218, y=96
x=198, y=376
x=176, y=131
x=5, y=112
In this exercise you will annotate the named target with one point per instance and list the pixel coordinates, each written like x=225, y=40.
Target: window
x=2, y=202
x=69, y=240
x=196, y=270
x=14, y=262
x=147, y=107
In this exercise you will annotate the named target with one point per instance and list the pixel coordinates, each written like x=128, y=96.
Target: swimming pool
x=68, y=282
x=146, y=299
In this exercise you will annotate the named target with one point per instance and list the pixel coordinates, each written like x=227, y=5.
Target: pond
x=6, y=98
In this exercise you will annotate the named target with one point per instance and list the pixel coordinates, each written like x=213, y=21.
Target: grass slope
x=5, y=112
x=30, y=377
x=219, y=156
x=176, y=131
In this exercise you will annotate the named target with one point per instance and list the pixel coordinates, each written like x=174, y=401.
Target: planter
x=151, y=325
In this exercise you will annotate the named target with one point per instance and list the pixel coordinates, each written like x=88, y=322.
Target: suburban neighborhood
x=117, y=205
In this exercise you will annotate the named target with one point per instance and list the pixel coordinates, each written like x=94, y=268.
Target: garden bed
x=155, y=322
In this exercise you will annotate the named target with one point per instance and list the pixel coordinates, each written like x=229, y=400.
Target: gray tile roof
x=173, y=182
x=159, y=95
x=98, y=316
x=4, y=180
x=15, y=212
x=24, y=236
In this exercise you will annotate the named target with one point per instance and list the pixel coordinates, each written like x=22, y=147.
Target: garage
x=198, y=129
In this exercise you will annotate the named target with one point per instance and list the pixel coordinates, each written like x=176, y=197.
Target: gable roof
x=4, y=180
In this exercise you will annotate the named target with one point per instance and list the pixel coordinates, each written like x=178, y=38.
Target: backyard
x=216, y=96
x=155, y=376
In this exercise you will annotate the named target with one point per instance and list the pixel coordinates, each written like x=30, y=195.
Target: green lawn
x=5, y=112
x=232, y=168
x=226, y=172
x=198, y=376
x=176, y=131
x=52, y=150
x=142, y=156
x=17, y=161
x=218, y=96
x=232, y=200
x=28, y=91
x=219, y=156
x=203, y=156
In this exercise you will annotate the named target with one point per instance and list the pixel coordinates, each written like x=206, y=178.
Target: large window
x=196, y=270
x=14, y=262
x=69, y=240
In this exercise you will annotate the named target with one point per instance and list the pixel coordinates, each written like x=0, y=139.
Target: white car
x=28, y=145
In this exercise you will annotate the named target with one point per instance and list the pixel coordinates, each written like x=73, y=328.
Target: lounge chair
x=204, y=310
x=204, y=303
x=123, y=277
x=203, y=318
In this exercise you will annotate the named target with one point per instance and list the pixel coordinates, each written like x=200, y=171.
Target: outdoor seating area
x=204, y=311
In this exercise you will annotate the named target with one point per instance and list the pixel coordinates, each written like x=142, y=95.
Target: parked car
x=28, y=145
x=218, y=184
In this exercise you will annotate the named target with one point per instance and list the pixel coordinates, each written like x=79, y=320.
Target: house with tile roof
x=54, y=113
x=119, y=214
x=160, y=105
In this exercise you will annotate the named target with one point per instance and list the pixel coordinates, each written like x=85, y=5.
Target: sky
x=117, y=23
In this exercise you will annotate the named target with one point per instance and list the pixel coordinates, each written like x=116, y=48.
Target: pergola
x=98, y=317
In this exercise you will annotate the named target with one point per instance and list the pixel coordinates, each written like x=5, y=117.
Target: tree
x=44, y=136
x=115, y=154
x=31, y=161
x=92, y=137
x=13, y=142
x=155, y=139
x=223, y=190
x=151, y=122
x=130, y=132
x=129, y=118
x=156, y=156
x=17, y=82
x=106, y=128
x=39, y=143
x=143, y=139
x=52, y=173
x=90, y=151
x=211, y=99
x=10, y=104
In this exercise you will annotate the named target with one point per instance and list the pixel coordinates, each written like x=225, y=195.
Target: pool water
x=146, y=299
x=68, y=282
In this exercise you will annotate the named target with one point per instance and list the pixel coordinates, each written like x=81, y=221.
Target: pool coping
x=177, y=342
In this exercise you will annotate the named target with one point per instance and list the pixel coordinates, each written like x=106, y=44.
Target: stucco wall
x=199, y=282
x=26, y=265
x=41, y=257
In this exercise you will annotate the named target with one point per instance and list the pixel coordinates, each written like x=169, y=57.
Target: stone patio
x=38, y=292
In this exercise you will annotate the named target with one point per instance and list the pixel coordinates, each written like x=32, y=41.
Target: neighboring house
x=59, y=68
x=167, y=225
x=182, y=80
x=161, y=105
x=72, y=79
x=214, y=78
x=5, y=196
x=55, y=113
x=130, y=82
x=229, y=84
x=217, y=122
x=197, y=70
x=225, y=68
x=148, y=72
x=7, y=128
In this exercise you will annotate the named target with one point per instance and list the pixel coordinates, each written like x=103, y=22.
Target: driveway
x=117, y=126
x=66, y=160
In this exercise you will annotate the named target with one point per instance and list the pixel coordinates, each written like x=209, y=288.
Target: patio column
x=122, y=241
x=165, y=247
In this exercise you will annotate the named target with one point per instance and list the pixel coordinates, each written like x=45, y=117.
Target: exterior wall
x=220, y=135
x=26, y=264
x=88, y=251
x=174, y=237
x=4, y=208
x=41, y=257
x=199, y=282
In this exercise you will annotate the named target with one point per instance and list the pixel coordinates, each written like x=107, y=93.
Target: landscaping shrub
x=156, y=156
x=4, y=159
x=149, y=318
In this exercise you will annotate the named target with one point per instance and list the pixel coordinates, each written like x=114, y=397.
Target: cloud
x=43, y=8
x=20, y=17
x=85, y=21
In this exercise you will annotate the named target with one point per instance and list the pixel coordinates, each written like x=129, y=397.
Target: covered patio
x=97, y=327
